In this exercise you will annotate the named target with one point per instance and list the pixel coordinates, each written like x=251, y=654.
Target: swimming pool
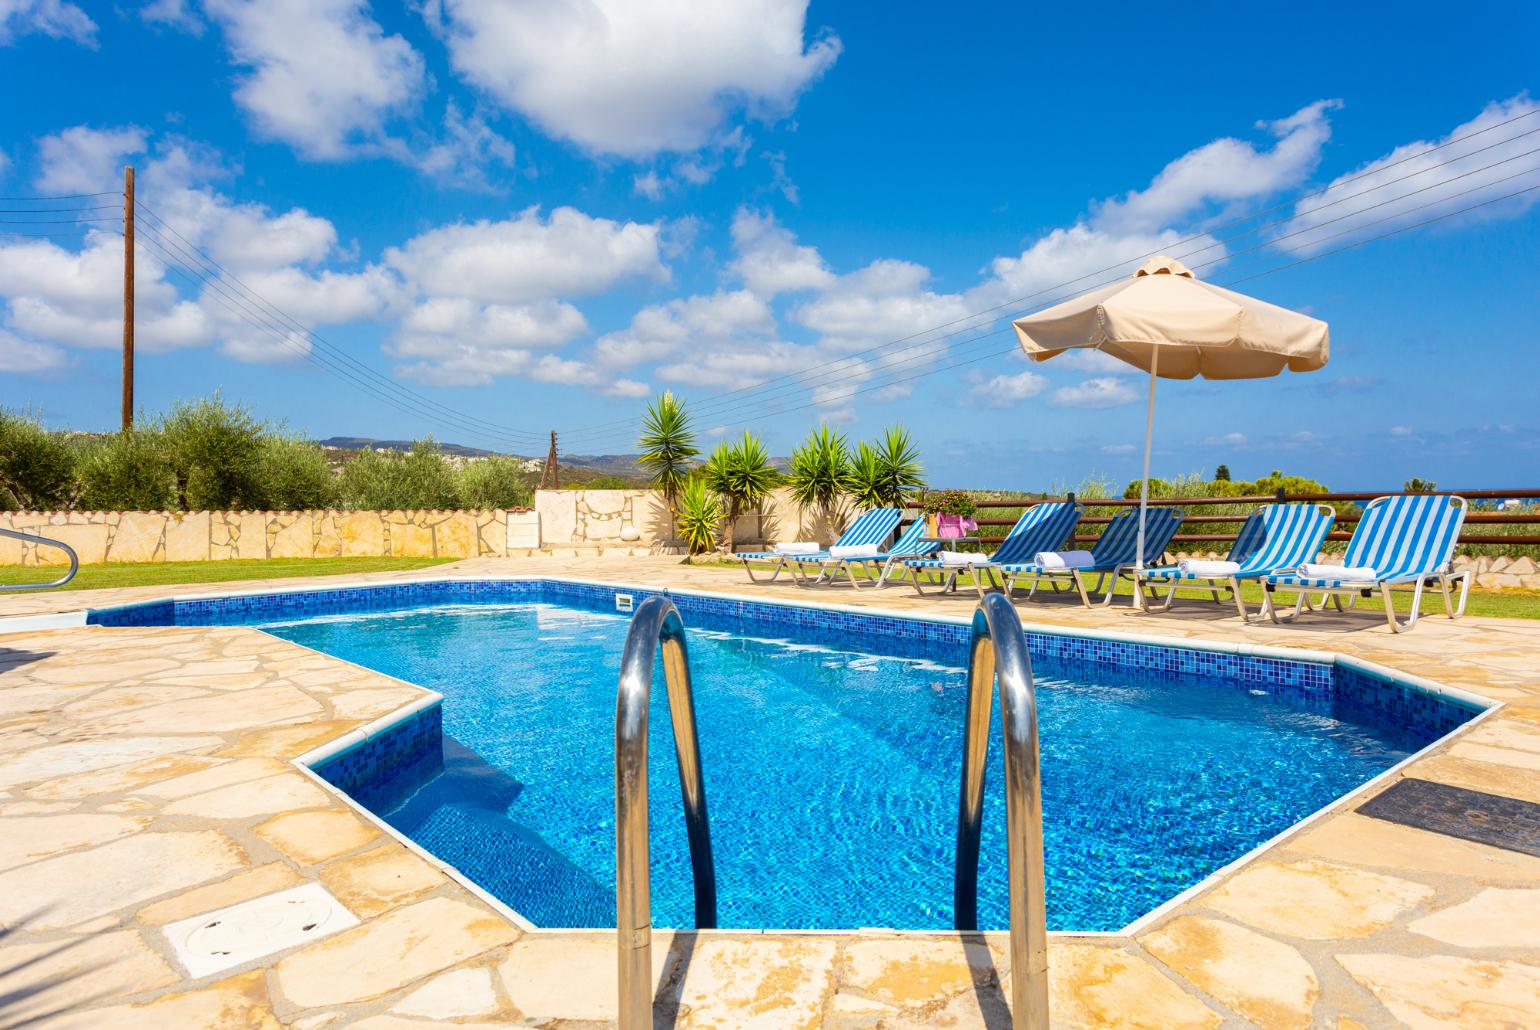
x=831, y=745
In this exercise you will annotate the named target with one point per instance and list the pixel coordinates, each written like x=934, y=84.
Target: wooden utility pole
x=550, y=476
x=128, y=298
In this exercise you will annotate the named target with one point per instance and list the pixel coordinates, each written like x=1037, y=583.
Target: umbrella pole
x=1144, y=483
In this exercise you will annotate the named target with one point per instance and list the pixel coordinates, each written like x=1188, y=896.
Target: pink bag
x=952, y=526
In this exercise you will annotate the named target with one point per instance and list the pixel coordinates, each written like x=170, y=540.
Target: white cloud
x=323, y=75
x=1226, y=440
x=1401, y=431
x=528, y=258
x=23, y=357
x=260, y=348
x=1404, y=176
x=463, y=343
x=57, y=19
x=1119, y=448
x=75, y=298
x=649, y=185
x=881, y=303
x=86, y=160
x=770, y=261
x=177, y=14
x=1104, y=392
x=634, y=79
x=1003, y=391
x=1222, y=171
x=468, y=152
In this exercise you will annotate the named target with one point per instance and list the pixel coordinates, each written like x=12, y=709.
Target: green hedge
x=208, y=455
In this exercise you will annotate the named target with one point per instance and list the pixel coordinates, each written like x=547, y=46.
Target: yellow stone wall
x=157, y=536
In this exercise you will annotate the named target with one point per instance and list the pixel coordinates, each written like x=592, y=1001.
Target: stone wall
x=611, y=521
x=157, y=536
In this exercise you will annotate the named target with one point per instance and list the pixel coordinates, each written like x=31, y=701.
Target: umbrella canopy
x=1199, y=329
x=1166, y=322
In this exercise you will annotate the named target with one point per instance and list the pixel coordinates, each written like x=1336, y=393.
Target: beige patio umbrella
x=1167, y=322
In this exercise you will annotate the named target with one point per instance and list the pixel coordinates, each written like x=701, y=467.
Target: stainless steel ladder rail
x=999, y=650
x=656, y=623
x=33, y=538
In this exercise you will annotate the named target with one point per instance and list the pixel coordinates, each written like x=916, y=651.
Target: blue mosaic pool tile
x=387, y=768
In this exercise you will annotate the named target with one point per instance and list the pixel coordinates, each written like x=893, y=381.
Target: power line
x=65, y=196
x=216, y=273
x=237, y=306
x=886, y=383
x=1198, y=236
x=942, y=345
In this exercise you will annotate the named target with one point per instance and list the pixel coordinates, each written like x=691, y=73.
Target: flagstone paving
x=146, y=777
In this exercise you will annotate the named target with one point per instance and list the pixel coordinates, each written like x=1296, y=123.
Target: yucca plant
x=819, y=469
x=699, y=515
x=667, y=445
x=881, y=475
x=741, y=474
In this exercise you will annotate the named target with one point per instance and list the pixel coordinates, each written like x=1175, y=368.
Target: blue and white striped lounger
x=1112, y=555
x=911, y=543
x=1041, y=527
x=1274, y=538
x=1408, y=541
x=873, y=527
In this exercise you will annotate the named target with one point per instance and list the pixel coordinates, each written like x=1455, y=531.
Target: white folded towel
x=963, y=558
x=1206, y=569
x=1358, y=574
x=1063, y=559
x=796, y=548
x=854, y=551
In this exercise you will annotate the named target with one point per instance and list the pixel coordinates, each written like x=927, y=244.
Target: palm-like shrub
x=741, y=474
x=819, y=470
x=667, y=445
x=699, y=515
x=880, y=475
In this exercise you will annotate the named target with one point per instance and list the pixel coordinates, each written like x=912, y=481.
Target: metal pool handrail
x=61, y=545
x=999, y=649
x=656, y=623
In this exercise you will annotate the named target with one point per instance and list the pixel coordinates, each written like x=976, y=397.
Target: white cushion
x=1207, y=569
x=854, y=551
x=1063, y=559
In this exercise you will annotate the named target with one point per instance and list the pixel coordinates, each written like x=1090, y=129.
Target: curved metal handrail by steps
x=999, y=650
x=656, y=623
x=33, y=538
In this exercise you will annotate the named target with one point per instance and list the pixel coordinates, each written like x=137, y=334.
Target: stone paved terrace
x=146, y=777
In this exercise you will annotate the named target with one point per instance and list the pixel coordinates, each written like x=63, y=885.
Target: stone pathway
x=146, y=778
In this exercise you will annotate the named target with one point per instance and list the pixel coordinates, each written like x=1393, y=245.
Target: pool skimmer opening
x=238, y=934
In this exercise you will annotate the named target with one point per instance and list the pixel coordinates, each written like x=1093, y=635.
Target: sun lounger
x=871, y=529
x=911, y=543
x=1042, y=527
x=1400, y=543
x=1112, y=555
x=1275, y=538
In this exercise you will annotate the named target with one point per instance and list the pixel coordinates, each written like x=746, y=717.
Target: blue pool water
x=832, y=773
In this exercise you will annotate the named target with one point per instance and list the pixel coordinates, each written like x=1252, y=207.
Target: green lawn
x=1510, y=604
x=142, y=574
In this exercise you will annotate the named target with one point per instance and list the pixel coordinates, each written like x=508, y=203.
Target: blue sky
x=507, y=217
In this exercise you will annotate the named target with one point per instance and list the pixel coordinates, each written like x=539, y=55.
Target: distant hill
x=364, y=443
x=579, y=467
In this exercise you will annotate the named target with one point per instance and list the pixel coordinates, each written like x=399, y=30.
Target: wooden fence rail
x=1347, y=518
